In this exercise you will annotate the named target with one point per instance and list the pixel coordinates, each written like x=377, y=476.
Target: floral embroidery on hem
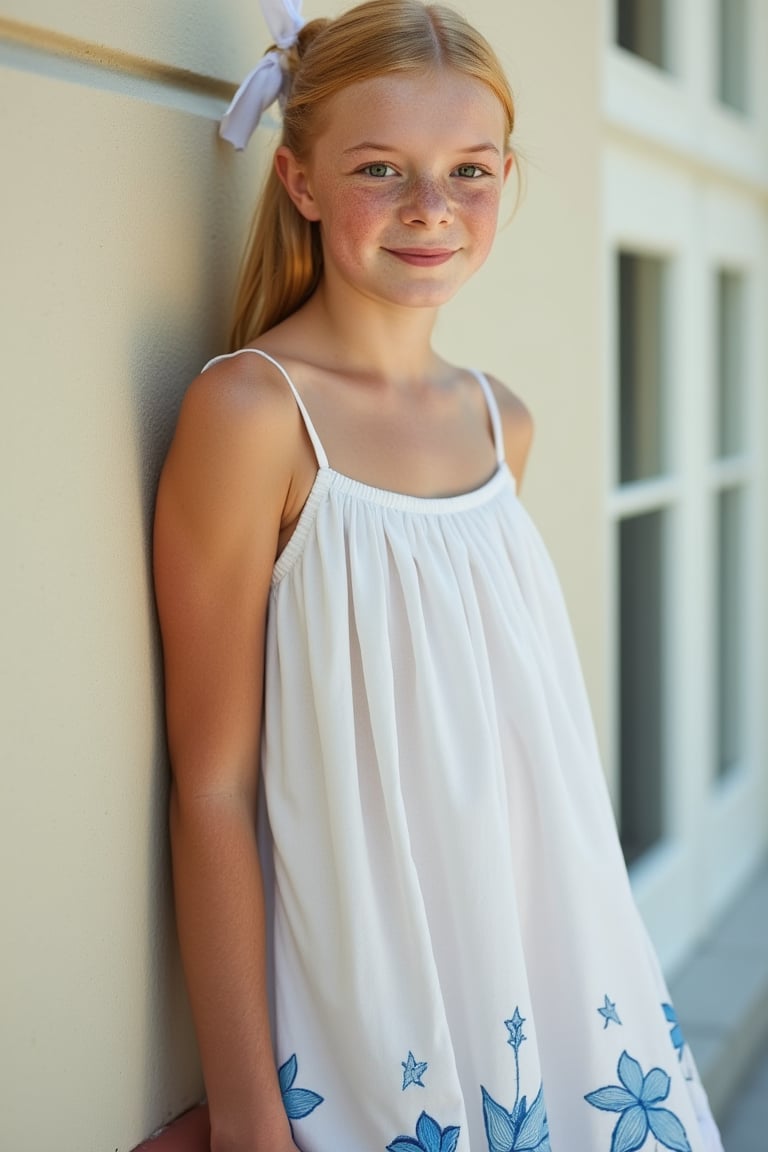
x=298, y=1102
x=522, y=1129
x=676, y=1032
x=430, y=1137
x=516, y=1037
x=637, y=1100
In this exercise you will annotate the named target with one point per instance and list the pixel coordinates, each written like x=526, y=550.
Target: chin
x=423, y=295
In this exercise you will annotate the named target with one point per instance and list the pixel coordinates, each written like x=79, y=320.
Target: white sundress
x=459, y=965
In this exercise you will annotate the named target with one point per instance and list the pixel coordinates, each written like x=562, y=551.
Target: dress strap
x=493, y=412
x=322, y=459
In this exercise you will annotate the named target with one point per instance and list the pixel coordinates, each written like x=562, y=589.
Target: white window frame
x=685, y=178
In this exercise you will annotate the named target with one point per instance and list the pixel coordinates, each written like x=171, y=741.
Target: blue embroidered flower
x=413, y=1070
x=430, y=1137
x=676, y=1032
x=515, y=1029
x=609, y=1013
x=521, y=1130
x=298, y=1102
x=637, y=1100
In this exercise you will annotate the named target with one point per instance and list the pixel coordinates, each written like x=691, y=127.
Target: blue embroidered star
x=515, y=1029
x=413, y=1070
x=609, y=1013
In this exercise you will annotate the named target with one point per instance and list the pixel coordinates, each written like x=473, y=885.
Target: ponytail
x=281, y=266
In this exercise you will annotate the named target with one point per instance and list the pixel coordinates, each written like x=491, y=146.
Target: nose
x=427, y=202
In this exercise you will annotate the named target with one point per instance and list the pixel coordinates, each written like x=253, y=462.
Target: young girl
x=448, y=957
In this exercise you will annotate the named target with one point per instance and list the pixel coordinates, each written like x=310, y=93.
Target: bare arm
x=219, y=510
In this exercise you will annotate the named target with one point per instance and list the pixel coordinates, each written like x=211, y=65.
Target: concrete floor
x=745, y=1128
x=721, y=997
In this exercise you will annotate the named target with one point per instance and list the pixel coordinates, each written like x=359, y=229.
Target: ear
x=509, y=164
x=294, y=177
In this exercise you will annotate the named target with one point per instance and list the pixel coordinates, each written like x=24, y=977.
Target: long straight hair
x=283, y=260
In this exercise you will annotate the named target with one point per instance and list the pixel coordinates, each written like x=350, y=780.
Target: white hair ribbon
x=266, y=82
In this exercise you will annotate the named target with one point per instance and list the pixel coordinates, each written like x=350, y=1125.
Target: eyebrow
x=371, y=146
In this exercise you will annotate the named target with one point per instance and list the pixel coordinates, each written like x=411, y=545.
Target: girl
x=449, y=957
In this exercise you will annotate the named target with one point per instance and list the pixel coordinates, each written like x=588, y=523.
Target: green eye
x=378, y=169
x=472, y=171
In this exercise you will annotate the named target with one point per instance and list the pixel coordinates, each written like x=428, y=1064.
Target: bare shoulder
x=242, y=400
x=237, y=417
x=228, y=475
x=517, y=426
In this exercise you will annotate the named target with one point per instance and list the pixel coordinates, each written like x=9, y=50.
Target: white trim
x=686, y=179
x=643, y=496
x=678, y=113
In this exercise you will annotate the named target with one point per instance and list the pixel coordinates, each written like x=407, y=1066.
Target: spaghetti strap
x=322, y=459
x=493, y=412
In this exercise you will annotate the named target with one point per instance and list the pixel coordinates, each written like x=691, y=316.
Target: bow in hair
x=268, y=81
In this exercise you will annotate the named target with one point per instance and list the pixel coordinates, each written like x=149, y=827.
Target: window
x=729, y=357
x=732, y=43
x=642, y=530
x=640, y=29
x=729, y=510
x=729, y=712
x=641, y=673
x=641, y=348
x=685, y=311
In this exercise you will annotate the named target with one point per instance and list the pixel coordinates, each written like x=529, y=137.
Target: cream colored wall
x=120, y=218
x=533, y=316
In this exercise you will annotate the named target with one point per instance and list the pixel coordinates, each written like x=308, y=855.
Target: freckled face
x=405, y=179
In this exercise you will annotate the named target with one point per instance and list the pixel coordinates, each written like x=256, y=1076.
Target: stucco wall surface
x=120, y=223
x=208, y=39
x=121, y=219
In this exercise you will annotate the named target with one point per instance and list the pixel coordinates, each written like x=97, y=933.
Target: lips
x=422, y=257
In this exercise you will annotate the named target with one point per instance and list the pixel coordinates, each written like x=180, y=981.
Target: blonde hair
x=283, y=259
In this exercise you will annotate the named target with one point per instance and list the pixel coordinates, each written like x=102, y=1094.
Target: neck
x=388, y=341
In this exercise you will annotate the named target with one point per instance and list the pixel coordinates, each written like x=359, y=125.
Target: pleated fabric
x=459, y=965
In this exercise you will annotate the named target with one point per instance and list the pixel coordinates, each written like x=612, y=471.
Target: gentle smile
x=423, y=257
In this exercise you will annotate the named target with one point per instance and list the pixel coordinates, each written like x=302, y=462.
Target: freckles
x=479, y=200
x=483, y=207
x=354, y=215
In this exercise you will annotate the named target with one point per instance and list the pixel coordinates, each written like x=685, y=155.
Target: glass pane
x=731, y=680
x=732, y=49
x=641, y=670
x=640, y=29
x=641, y=363
x=730, y=363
